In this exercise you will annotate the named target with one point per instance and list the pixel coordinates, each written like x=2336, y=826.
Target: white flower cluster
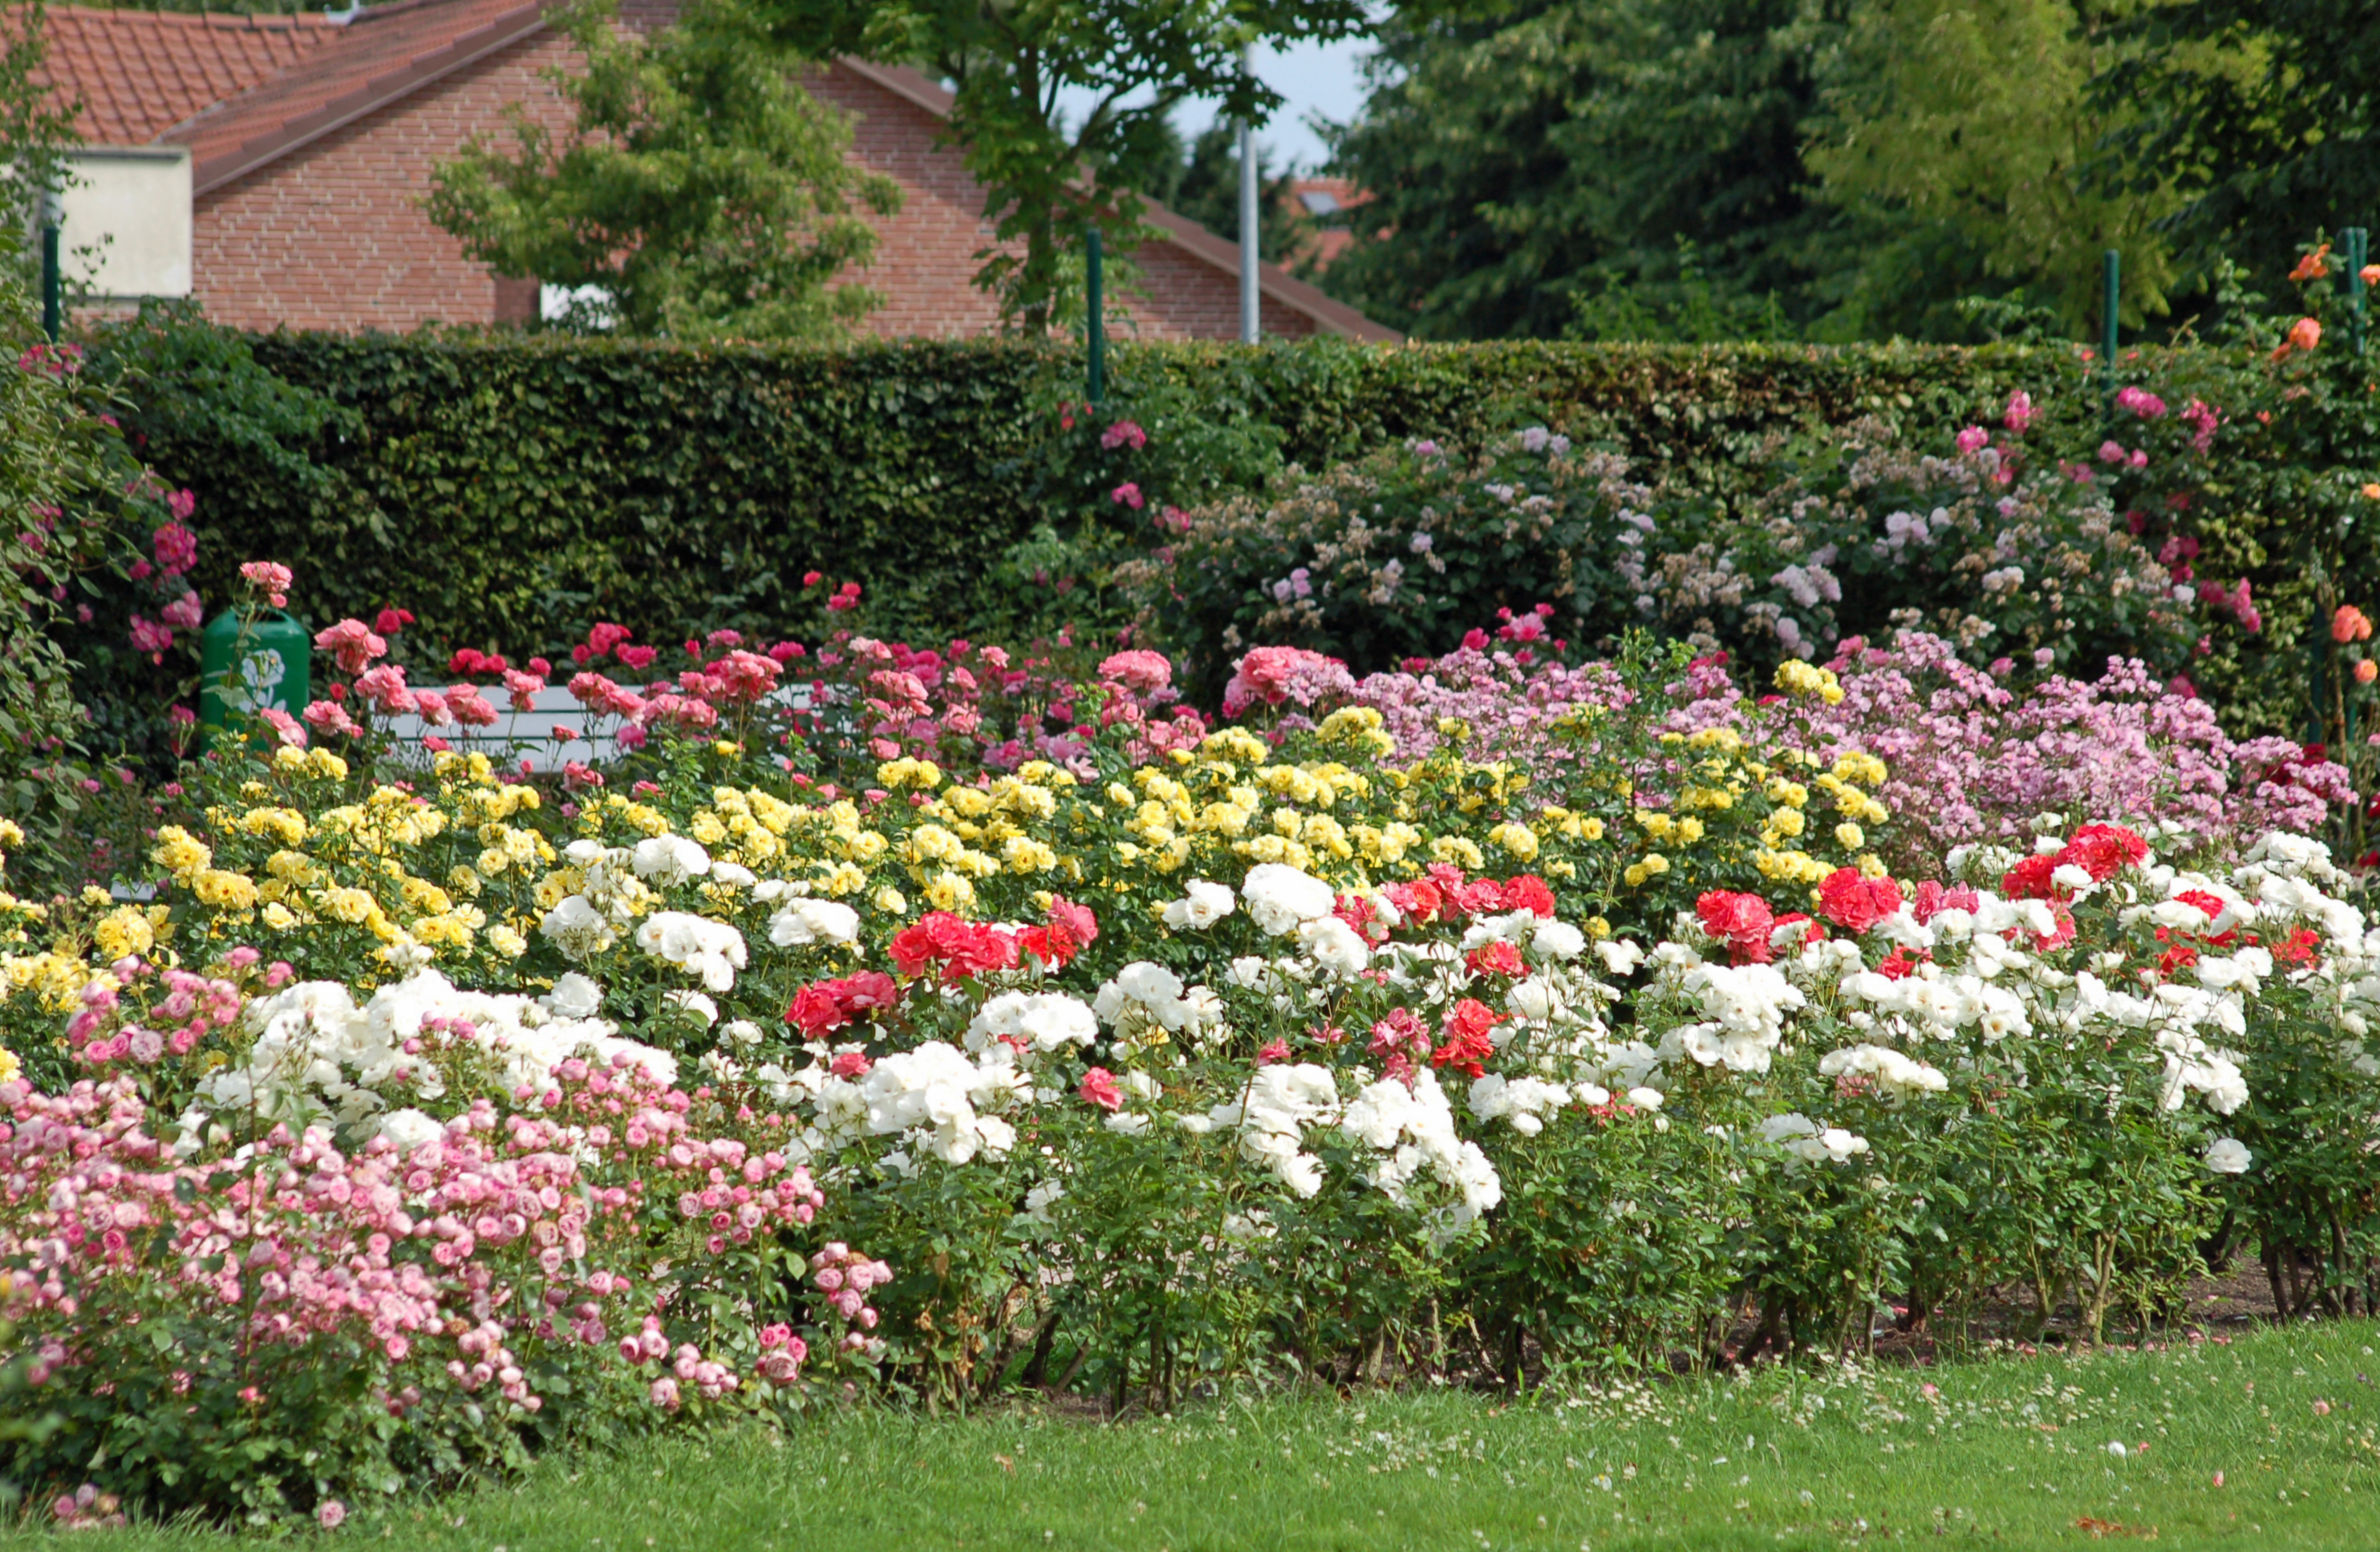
x=1280, y=898
x=1893, y=1075
x=1413, y=1128
x=1043, y=1021
x=1528, y=1103
x=1805, y=1142
x=712, y=949
x=805, y=921
x=933, y=1096
x=1202, y=906
x=1743, y=1007
x=317, y=1056
x=1145, y=998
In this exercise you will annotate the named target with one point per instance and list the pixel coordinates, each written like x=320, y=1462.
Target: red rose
x=1742, y=921
x=1498, y=958
x=1468, y=1046
x=2029, y=879
x=1855, y=904
x=816, y=1012
x=2102, y=850
x=1529, y=892
x=1070, y=930
x=1099, y=1088
x=1900, y=963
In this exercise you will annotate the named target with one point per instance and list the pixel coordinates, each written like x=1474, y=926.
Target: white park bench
x=516, y=736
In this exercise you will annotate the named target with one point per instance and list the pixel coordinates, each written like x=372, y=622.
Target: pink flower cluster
x=1975, y=760
x=98, y=1035
x=511, y=1242
x=1507, y=701
x=844, y=1276
x=272, y=580
x=1285, y=675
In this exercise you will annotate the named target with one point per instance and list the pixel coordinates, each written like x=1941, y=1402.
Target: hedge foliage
x=510, y=491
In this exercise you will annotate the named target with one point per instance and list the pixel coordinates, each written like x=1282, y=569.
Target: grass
x=2005, y=1452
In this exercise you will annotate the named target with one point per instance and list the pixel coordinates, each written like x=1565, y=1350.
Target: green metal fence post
x=1095, y=317
x=2113, y=277
x=53, y=310
x=2357, y=243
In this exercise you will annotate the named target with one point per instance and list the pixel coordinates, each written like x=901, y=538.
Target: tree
x=700, y=189
x=1527, y=160
x=1965, y=137
x=1012, y=62
x=2263, y=115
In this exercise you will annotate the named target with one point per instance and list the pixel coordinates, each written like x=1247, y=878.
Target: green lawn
x=2008, y=1452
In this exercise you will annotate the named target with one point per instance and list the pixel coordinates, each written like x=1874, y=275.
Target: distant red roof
x=1328, y=201
x=140, y=73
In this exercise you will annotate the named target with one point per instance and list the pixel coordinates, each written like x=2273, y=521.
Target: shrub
x=1393, y=556
x=242, y=1306
x=1379, y=560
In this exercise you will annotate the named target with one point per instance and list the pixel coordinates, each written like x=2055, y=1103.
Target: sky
x=1318, y=80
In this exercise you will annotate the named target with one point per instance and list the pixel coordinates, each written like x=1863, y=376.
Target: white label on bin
x=260, y=673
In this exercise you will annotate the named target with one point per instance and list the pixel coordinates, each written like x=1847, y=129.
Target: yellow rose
x=1517, y=839
x=225, y=892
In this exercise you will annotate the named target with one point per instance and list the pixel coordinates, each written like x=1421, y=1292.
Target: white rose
x=2229, y=1156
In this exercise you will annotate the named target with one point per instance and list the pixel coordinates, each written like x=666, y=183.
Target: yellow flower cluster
x=1805, y=682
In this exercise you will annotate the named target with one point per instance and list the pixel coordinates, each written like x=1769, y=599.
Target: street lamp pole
x=1251, y=325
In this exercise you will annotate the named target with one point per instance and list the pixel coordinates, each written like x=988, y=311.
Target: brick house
x=281, y=161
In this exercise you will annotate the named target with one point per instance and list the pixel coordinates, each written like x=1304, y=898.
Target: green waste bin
x=275, y=660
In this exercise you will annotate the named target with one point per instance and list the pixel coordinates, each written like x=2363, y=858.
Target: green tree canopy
x=1200, y=178
x=699, y=186
x=1525, y=160
x=1965, y=139
x=2263, y=116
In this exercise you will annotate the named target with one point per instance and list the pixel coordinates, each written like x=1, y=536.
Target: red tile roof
x=140, y=73
x=242, y=90
x=387, y=52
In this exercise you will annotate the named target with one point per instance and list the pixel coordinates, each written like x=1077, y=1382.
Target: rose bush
x=1487, y=1018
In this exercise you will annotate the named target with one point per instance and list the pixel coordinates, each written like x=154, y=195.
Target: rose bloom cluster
x=1189, y=1048
x=560, y=1227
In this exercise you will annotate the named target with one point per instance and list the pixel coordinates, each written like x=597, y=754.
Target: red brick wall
x=333, y=235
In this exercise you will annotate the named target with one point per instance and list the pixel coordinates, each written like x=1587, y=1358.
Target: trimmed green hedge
x=510, y=491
